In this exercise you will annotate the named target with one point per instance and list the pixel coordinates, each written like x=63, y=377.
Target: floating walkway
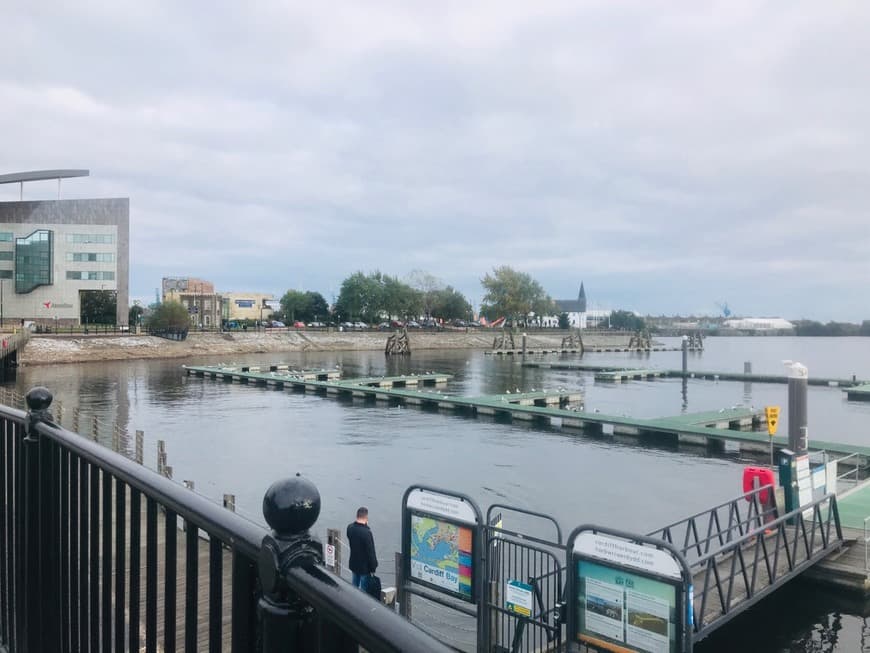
x=858, y=392
x=577, y=350
x=853, y=384
x=617, y=376
x=557, y=408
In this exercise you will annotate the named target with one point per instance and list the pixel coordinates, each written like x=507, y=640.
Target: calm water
x=238, y=439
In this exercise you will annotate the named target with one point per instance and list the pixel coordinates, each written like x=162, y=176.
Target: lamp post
x=1, y=302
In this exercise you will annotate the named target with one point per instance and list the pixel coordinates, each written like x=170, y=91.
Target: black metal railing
x=742, y=550
x=697, y=535
x=98, y=553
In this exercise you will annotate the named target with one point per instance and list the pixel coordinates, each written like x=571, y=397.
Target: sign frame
x=452, y=508
x=637, y=555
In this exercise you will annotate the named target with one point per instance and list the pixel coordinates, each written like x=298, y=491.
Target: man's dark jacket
x=363, y=560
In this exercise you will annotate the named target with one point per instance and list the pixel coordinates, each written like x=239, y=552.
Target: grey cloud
x=670, y=157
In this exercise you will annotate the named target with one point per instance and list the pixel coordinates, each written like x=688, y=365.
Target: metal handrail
x=738, y=562
x=298, y=594
x=744, y=496
x=866, y=545
x=852, y=471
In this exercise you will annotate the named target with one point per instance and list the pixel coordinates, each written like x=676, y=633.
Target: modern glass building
x=63, y=261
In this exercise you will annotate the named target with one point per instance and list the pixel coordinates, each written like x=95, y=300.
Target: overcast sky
x=671, y=155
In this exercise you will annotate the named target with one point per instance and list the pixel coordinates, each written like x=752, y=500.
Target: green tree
x=98, y=306
x=428, y=286
x=564, y=322
x=169, y=315
x=626, y=321
x=360, y=297
x=303, y=306
x=134, y=315
x=513, y=295
x=399, y=299
x=450, y=304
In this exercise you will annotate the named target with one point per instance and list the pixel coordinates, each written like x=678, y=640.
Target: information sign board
x=441, y=542
x=330, y=556
x=627, y=594
x=518, y=598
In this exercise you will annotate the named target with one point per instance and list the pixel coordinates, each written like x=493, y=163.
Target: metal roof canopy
x=41, y=175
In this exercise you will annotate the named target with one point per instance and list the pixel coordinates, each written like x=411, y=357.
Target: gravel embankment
x=42, y=350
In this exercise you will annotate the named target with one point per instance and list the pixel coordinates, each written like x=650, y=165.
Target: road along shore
x=45, y=350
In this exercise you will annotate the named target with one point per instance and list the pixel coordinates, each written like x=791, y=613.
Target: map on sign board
x=441, y=555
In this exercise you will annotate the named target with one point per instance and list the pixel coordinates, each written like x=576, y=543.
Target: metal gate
x=524, y=585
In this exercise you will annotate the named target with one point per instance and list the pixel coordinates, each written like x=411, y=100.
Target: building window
x=6, y=236
x=7, y=256
x=86, y=239
x=5, y=274
x=89, y=275
x=88, y=257
x=34, y=256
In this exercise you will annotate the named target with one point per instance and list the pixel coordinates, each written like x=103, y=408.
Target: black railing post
x=290, y=506
x=42, y=586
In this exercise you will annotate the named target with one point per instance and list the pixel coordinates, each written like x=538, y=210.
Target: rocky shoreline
x=45, y=350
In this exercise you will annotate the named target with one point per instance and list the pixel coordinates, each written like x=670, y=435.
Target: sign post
x=442, y=548
x=771, y=414
x=628, y=592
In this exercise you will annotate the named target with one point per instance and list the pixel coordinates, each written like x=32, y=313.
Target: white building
x=758, y=324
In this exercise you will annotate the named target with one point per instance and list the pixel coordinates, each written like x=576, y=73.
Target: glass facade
x=6, y=236
x=87, y=257
x=34, y=258
x=5, y=274
x=99, y=239
x=7, y=256
x=92, y=275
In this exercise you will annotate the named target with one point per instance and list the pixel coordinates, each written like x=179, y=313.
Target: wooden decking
x=202, y=582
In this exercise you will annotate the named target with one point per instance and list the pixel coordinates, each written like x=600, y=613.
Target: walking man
x=363, y=560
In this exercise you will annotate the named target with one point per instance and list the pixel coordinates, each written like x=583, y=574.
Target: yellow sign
x=772, y=415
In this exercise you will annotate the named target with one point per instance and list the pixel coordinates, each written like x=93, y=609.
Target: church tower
x=581, y=305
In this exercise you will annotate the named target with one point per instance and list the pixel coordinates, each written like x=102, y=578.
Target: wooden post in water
x=75, y=424
x=161, y=455
x=140, y=447
x=96, y=432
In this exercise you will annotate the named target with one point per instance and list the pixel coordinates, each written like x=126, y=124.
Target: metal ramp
x=742, y=550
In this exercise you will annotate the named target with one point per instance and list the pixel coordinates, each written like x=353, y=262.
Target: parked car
x=360, y=325
x=316, y=325
x=413, y=324
x=396, y=324
x=276, y=324
x=298, y=325
x=384, y=326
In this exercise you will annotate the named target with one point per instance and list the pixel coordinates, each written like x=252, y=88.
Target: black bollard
x=291, y=507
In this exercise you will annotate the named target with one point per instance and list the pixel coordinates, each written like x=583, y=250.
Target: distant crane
x=726, y=311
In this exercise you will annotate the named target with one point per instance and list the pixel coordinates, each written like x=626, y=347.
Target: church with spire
x=575, y=308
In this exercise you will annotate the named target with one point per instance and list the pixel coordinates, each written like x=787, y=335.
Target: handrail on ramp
x=756, y=552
